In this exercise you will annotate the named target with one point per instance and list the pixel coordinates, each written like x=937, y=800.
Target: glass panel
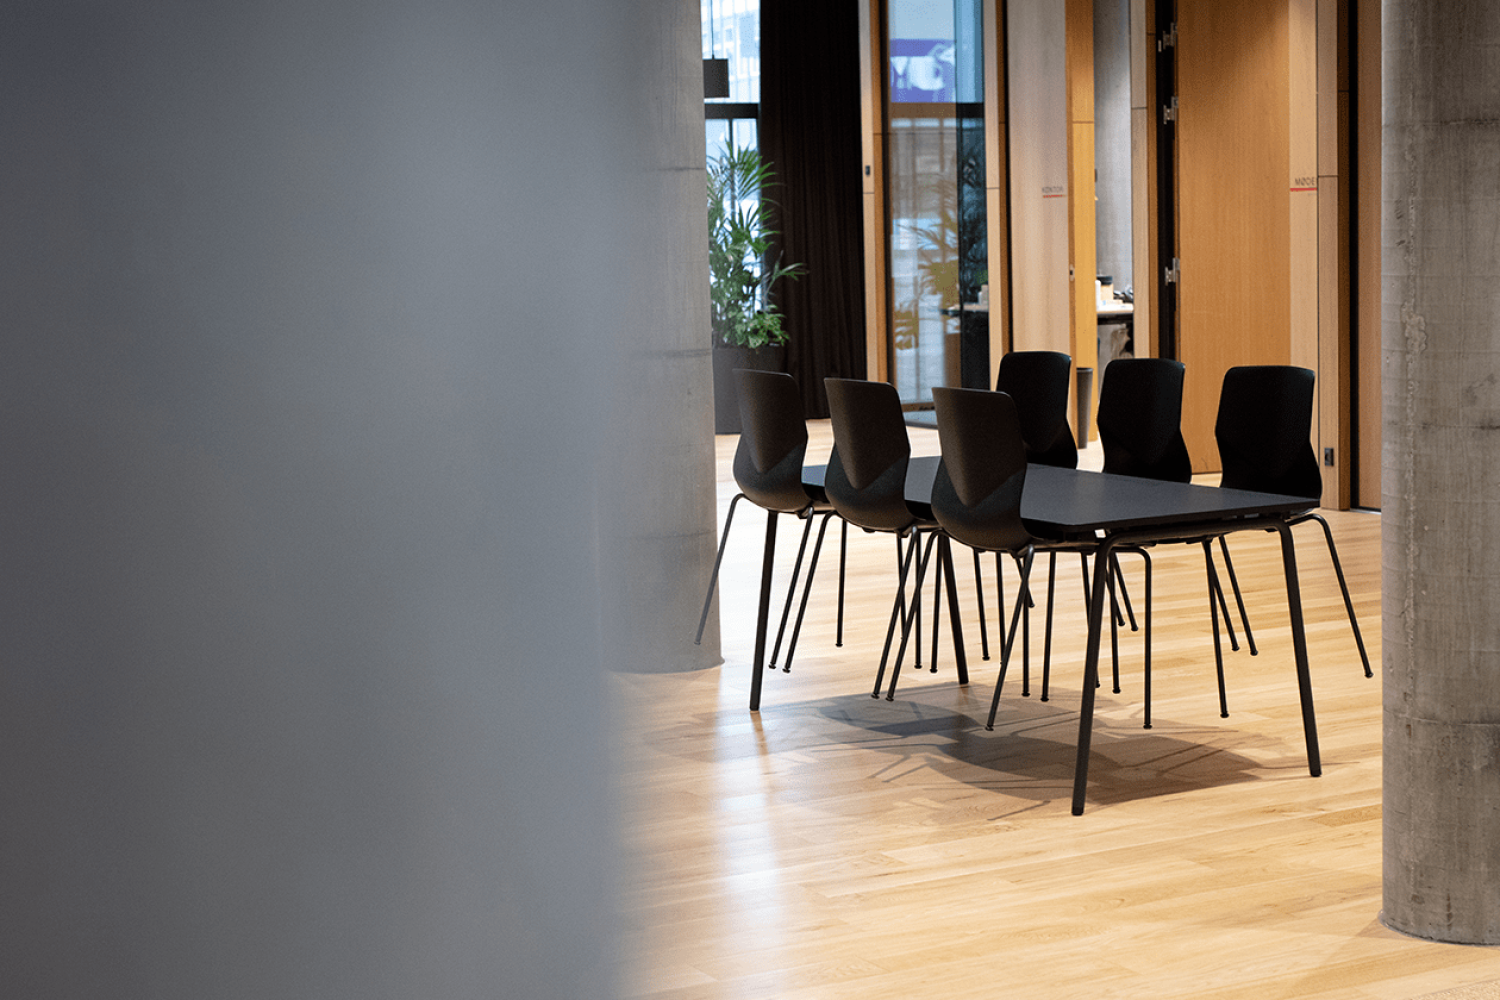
x=936, y=174
x=731, y=30
x=726, y=133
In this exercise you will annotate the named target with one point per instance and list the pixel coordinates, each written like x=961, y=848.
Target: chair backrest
x=1140, y=419
x=773, y=440
x=866, y=479
x=1039, y=381
x=977, y=494
x=1264, y=430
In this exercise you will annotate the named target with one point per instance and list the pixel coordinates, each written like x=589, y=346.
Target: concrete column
x=1441, y=540
x=313, y=314
x=661, y=497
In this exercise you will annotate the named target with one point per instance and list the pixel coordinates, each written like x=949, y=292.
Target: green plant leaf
x=741, y=277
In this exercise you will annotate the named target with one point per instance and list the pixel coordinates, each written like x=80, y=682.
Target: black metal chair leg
x=999, y=599
x=1115, y=619
x=1025, y=641
x=1338, y=570
x=1213, y=612
x=898, y=611
x=812, y=569
x=1114, y=565
x=1147, y=557
x=984, y=637
x=1047, y=647
x=1005, y=648
x=914, y=609
x=1114, y=623
x=843, y=558
x=713, y=580
x=937, y=602
x=791, y=591
x=1084, y=560
x=1234, y=644
x=1114, y=614
x=916, y=600
x=1146, y=672
x=1239, y=599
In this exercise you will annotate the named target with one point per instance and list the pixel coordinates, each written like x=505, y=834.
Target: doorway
x=1229, y=128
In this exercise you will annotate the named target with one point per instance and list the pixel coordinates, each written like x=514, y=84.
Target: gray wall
x=310, y=313
x=1112, y=140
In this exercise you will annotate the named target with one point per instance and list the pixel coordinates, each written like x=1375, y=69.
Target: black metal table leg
x=1299, y=645
x=1102, y=563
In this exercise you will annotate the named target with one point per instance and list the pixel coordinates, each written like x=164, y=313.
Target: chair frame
x=865, y=482
x=752, y=457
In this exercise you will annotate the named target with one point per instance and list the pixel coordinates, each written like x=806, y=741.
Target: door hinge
x=1173, y=273
x=1169, y=112
x=1167, y=39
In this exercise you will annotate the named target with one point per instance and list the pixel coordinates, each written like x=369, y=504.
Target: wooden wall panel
x=1332, y=430
x=1143, y=175
x=1302, y=183
x=1082, y=222
x=1035, y=38
x=1234, y=217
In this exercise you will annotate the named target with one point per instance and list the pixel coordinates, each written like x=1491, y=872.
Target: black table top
x=1069, y=503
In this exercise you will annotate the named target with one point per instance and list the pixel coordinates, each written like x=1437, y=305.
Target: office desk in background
x=1115, y=323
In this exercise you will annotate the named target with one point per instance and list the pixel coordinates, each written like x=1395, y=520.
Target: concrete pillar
x=1441, y=531
x=313, y=314
x=661, y=498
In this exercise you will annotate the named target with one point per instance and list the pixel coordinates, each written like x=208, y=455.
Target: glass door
x=731, y=32
x=938, y=297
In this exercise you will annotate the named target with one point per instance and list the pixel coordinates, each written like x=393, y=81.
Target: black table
x=1123, y=511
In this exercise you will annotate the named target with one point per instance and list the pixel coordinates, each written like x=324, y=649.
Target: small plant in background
x=740, y=238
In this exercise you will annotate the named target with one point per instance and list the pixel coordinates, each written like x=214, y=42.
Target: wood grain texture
x=836, y=846
x=1233, y=214
x=1039, y=178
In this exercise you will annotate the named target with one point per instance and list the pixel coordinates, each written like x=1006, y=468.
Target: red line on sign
x=1305, y=189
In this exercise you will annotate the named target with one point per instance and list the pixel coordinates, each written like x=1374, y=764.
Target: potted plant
x=746, y=324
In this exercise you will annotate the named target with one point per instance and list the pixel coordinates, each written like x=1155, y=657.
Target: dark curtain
x=810, y=133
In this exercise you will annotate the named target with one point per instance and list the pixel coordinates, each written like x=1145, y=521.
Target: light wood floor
x=835, y=846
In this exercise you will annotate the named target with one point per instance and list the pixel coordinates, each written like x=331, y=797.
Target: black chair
x=768, y=471
x=976, y=497
x=1039, y=383
x=1140, y=428
x=866, y=483
x=1140, y=419
x=1264, y=429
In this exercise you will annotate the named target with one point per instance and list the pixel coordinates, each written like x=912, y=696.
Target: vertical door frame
x=874, y=130
x=997, y=182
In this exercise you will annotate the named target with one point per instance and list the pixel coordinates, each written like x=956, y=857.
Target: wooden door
x=1233, y=219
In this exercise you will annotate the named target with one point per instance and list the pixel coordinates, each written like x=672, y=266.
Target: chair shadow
x=1031, y=754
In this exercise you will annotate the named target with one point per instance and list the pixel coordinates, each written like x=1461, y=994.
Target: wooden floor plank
x=834, y=845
